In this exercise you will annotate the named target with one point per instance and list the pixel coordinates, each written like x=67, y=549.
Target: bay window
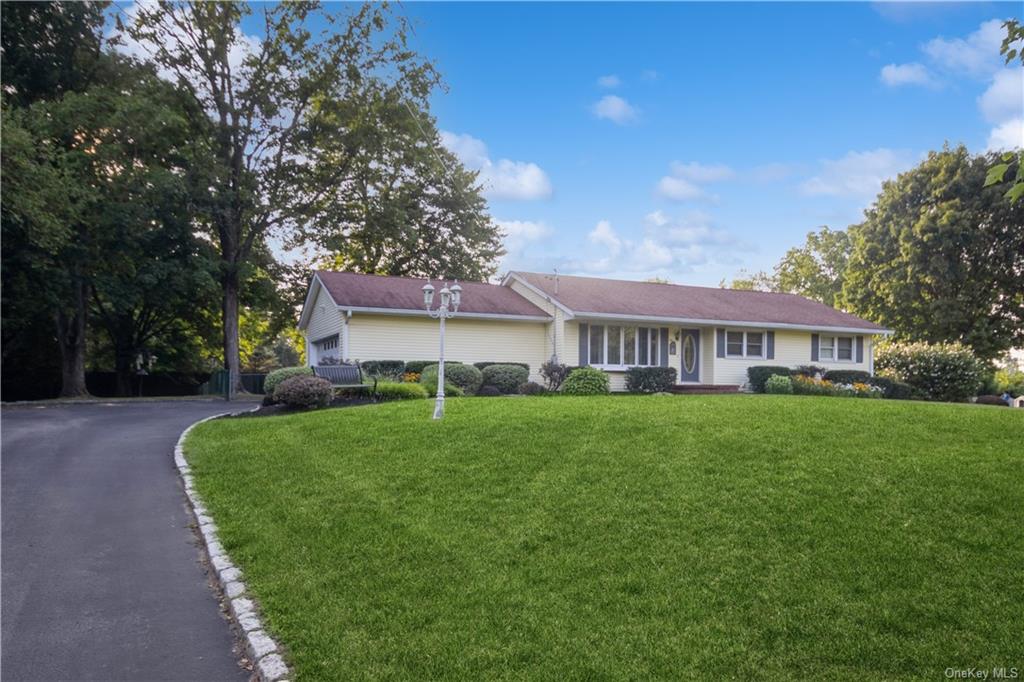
x=618, y=346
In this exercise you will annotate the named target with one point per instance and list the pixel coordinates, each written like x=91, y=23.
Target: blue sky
x=690, y=141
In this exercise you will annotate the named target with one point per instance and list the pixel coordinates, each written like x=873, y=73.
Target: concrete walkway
x=101, y=573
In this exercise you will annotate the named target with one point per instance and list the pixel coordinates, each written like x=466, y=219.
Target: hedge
x=759, y=374
x=389, y=390
x=650, y=379
x=941, y=371
x=278, y=375
x=586, y=381
x=848, y=376
x=304, y=391
x=383, y=368
x=418, y=366
x=466, y=377
x=484, y=365
x=532, y=388
x=506, y=378
x=488, y=391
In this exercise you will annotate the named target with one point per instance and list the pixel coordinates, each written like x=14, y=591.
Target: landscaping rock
x=271, y=668
x=259, y=644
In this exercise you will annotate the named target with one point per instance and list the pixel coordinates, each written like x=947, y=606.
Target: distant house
x=710, y=335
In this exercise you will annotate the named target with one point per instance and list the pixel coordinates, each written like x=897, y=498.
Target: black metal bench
x=344, y=376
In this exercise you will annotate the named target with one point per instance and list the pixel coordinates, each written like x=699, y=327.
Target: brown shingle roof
x=406, y=293
x=616, y=297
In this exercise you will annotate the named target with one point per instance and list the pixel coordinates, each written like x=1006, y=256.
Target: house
x=710, y=335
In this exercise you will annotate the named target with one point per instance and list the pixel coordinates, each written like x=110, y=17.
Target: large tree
x=940, y=257
x=271, y=102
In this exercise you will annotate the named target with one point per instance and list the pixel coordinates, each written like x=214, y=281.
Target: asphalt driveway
x=101, y=573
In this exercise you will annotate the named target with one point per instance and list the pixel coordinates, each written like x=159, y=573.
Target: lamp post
x=450, y=300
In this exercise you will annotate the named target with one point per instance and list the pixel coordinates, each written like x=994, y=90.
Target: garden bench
x=344, y=376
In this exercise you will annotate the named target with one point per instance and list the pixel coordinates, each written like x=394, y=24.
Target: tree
x=745, y=281
x=1010, y=165
x=408, y=206
x=815, y=270
x=939, y=257
x=270, y=104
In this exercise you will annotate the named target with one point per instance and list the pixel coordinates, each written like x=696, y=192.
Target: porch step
x=706, y=388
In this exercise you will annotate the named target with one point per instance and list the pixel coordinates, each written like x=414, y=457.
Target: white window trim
x=746, y=354
x=652, y=362
x=835, y=349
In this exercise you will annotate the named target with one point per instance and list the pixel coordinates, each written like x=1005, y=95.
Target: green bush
x=418, y=365
x=304, y=391
x=807, y=371
x=489, y=391
x=467, y=377
x=650, y=379
x=391, y=390
x=759, y=374
x=390, y=369
x=532, y=388
x=1009, y=381
x=779, y=384
x=278, y=375
x=893, y=390
x=586, y=381
x=484, y=365
x=941, y=371
x=506, y=378
x=991, y=400
x=848, y=376
x=554, y=374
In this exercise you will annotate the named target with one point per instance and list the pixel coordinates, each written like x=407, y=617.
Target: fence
x=217, y=385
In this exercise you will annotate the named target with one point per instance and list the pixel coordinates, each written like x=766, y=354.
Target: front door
x=689, y=356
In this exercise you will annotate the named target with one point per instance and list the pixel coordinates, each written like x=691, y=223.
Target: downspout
x=344, y=335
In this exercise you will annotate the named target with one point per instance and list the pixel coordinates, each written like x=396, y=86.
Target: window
x=330, y=343
x=596, y=344
x=839, y=348
x=615, y=346
x=744, y=344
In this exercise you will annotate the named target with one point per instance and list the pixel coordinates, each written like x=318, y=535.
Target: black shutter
x=663, y=355
x=720, y=343
x=814, y=347
x=770, y=346
x=860, y=349
x=584, y=343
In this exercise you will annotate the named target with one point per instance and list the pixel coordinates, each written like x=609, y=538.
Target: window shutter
x=584, y=343
x=814, y=347
x=860, y=349
x=720, y=343
x=770, y=345
x=663, y=355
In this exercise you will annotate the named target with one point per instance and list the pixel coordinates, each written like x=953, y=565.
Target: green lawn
x=746, y=537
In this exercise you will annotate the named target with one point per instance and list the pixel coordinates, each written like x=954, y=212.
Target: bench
x=344, y=376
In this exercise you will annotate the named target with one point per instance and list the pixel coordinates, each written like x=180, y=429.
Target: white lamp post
x=450, y=300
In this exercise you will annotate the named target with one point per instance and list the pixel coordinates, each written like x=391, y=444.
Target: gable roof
x=592, y=296
x=381, y=293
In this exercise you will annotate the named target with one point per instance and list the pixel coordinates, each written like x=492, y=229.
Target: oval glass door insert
x=689, y=355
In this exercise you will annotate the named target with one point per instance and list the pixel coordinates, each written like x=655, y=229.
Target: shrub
x=390, y=390
x=780, y=384
x=484, y=365
x=488, y=391
x=847, y=376
x=411, y=377
x=810, y=386
x=991, y=400
x=554, y=374
x=1009, y=381
x=892, y=389
x=941, y=371
x=759, y=374
x=418, y=366
x=807, y=371
x=650, y=379
x=466, y=377
x=304, y=391
x=532, y=388
x=278, y=375
x=586, y=381
x=505, y=378
x=390, y=369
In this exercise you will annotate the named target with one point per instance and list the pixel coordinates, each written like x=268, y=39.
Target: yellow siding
x=400, y=337
x=572, y=343
x=792, y=348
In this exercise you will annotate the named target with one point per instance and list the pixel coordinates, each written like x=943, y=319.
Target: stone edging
x=261, y=648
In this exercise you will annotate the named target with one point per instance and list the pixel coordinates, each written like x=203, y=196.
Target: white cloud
x=1004, y=98
x=649, y=75
x=615, y=109
x=1007, y=136
x=895, y=75
x=609, y=81
x=501, y=179
x=976, y=55
x=857, y=174
x=604, y=235
x=519, y=237
x=771, y=172
x=684, y=180
x=702, y=173
x=678, y=189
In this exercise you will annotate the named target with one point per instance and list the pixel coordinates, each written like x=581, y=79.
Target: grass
x=745, y=537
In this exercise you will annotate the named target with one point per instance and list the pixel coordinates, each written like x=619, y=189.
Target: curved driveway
x=101, y=572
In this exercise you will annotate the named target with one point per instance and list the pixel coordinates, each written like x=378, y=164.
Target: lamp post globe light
x=449, y=306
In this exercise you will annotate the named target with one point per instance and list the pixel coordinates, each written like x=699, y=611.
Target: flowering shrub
x=411, y=377
x=940, y=371
x=811, y=386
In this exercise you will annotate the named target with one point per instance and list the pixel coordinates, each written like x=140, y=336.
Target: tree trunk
x=124, y=361
x=232, y=356
x=71, y=338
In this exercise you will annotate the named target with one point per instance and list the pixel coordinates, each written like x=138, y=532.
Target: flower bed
x=812, y=386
